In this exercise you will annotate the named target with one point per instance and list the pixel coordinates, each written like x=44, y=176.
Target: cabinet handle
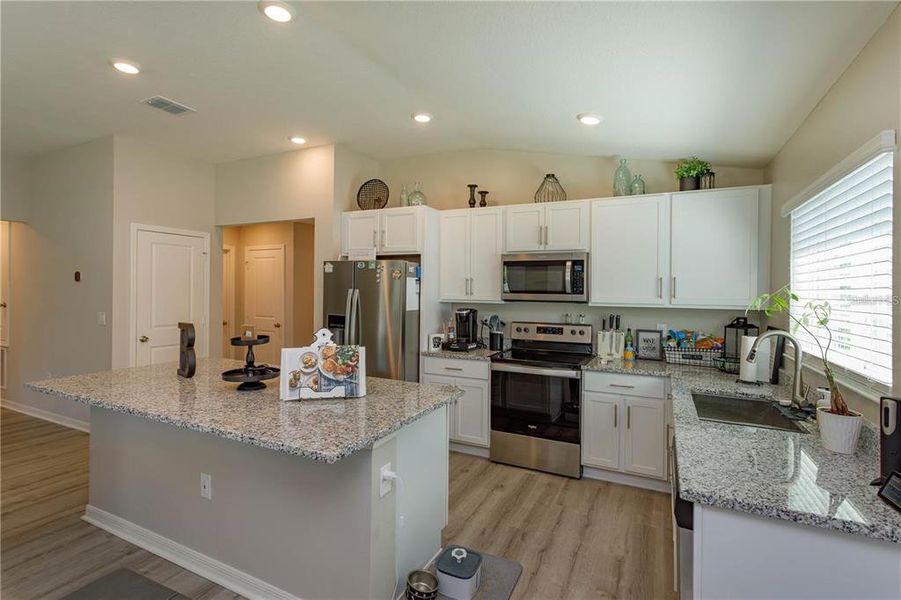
x=375, y=241
x=628, y=417
x=615, y=413
x=383, y=238
x=622, y=385
x=674, y=287
x=540, y=235
x=660, y=287
x=545, y=235
x=471, y=286
x=453, y=369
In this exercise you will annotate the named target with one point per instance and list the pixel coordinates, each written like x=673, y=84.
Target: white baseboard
x=201, y=564
x=466, y=449
x=46, y=415
x=626, y=479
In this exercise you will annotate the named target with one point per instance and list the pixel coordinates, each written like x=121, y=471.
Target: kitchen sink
x=743, y=411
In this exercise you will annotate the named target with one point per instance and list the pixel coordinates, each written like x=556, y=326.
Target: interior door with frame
x=229, y=327
x=171, y=285
x=264, y=298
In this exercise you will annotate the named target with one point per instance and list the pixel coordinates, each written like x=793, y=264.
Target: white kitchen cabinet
x=630, y=251
x=644, y=437
x=471, y=249
x=387, y=231
x=551, y=227
x=468, y=418
x=622, y=430
x=719, y=247
x=600, y=426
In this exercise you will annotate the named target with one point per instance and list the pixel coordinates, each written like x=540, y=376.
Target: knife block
x=611, y=345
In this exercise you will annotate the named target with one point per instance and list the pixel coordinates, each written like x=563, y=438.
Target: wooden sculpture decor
x=187, y=359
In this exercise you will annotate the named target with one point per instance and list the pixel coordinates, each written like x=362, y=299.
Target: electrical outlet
x=385, y=482
x=206, y=486
x=101, y=318
x=662, y=327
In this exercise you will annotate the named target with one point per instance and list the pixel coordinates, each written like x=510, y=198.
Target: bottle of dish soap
x=629, y=351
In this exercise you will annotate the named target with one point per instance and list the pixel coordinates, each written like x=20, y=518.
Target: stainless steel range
x=536, y=396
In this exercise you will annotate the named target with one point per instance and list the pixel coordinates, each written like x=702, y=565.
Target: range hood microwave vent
x=170, y=106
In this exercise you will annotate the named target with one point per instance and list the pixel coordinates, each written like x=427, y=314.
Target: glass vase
x=622, y=179
x=637, y=186
x=416, y=197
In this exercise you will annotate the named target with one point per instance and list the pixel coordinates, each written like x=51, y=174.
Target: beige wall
x=864, y=101
x=53, y=319
x=512, y=177
x=304, y=244
x=154, y=187
x=14, y=189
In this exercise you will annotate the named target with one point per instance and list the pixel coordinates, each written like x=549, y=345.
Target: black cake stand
x=250, y=376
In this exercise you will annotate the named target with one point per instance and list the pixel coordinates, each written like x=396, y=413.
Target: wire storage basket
x=698, y=357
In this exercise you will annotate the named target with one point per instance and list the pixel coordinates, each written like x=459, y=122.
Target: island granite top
x=326, y=430
x=767, y=472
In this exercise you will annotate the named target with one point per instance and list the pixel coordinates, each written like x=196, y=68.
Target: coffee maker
x=889, y=437
x=466, y=322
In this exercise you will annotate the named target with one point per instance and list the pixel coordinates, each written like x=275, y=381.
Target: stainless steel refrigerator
x=375, y=303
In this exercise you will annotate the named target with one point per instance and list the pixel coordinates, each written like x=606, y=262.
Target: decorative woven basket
x=692, y=356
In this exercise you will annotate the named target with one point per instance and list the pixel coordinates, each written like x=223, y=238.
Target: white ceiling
x=728, y=81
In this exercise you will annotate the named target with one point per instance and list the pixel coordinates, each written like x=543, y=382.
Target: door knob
x=224, y=323
x=278, y=325
x=2, y=304
x=143, y=339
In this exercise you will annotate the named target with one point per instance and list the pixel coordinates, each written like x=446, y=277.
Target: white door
x=171, y=285
x=644, y=438
x=229, y=327
x=567, y=225
x=451, y=408
x=400, y=230
x=454, y=255
x=630, y=251
x=486, y=250
x=471, y=418
x=359, y=230
x=600, y=433
x=264, y=298
x=714, y=248
x=524, y=228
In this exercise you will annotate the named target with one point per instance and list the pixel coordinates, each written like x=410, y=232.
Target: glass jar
x=416, y=197
x=637, y=186
x=622, y=179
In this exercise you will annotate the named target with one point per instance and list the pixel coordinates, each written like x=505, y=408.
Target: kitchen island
x=294, y=506
x=773, y=513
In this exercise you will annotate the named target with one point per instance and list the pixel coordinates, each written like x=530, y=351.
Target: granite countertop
x=767, y=472
x=326, y=430
x=477, y=354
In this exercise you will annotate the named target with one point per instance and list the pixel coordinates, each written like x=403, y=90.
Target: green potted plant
x=839, y=426
x=689, y=171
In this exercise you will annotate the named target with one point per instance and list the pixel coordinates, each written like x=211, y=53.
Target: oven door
x=535, y=401
x=545, y=277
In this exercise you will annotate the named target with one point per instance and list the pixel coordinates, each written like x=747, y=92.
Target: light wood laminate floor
x=575, y=539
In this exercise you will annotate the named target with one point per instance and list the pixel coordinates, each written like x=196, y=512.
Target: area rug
x=499, y=577
x=122, y=584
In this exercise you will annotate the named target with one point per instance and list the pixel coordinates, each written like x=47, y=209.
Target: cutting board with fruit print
x=323, y=370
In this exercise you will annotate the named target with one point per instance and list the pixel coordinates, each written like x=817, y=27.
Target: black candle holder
x=250, y=376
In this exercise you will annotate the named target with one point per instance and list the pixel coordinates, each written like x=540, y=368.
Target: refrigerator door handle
x=347, y=307
x=356, y=325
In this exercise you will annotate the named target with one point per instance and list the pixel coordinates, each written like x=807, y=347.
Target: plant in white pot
x=839, y=426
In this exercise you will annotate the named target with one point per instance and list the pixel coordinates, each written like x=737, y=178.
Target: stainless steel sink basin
x=743, y=411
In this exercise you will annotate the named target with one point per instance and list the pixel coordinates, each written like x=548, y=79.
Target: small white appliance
x=459, y=573
x=759, y=370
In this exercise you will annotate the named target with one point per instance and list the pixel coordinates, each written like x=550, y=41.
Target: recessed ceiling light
x=281, y=12
x=589, y=118
x=296, y=139
x=125, y=66
x=422, y=117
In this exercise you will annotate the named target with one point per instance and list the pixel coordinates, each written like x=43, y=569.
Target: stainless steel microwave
x=558, y=277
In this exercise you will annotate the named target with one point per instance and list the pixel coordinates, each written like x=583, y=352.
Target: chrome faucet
x=797, y=395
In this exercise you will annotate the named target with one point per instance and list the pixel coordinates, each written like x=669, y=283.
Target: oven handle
x=528, y=370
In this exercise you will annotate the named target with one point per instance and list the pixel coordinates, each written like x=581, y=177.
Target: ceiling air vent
x=170, y=106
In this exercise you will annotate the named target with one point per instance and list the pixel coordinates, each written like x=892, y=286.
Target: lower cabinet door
x=451, y=408
x=601, y=421
x=471, y=419
x=644, y=437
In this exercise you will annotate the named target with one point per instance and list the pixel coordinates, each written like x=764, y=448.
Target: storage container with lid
x=459, y=572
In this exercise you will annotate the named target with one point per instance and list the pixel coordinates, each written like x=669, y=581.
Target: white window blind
x=841, y=252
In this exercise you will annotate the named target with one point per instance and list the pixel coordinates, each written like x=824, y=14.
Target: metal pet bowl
x=422, y=585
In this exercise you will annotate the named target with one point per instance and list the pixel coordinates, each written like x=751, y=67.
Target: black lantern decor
x=733, y=333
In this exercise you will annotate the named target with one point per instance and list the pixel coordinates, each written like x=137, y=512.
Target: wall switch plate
x=385, y=482
x=101, y=318
x=206, y=486
x=662, y=327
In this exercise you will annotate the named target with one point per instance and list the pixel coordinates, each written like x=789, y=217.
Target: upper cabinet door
x=359, y=230
x=630, y=251
x=486, y=248
x=715, y=258
x=567, y=225
x=454, y=255
x=400, y=230
x=524, y=228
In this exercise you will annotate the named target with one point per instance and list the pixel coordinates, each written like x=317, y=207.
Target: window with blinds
x=841, y=252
